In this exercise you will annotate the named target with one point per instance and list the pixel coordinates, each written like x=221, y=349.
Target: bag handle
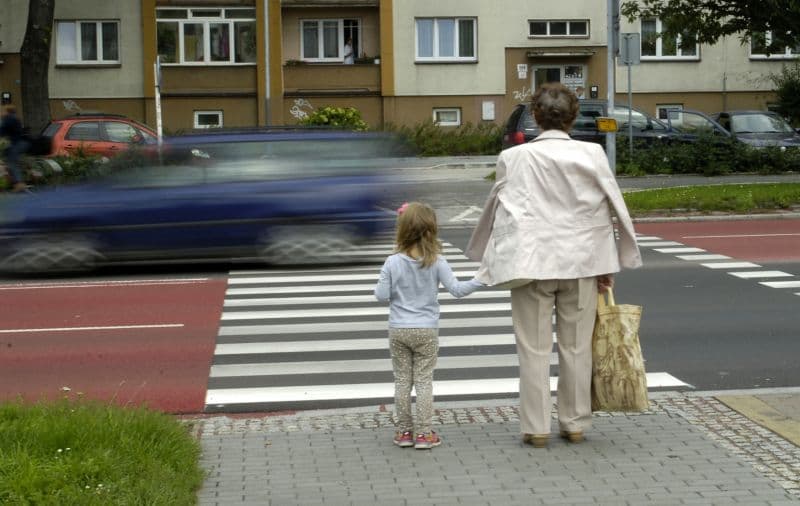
x=601, y=299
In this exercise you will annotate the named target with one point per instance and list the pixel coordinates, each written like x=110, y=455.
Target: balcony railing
x=331, y=79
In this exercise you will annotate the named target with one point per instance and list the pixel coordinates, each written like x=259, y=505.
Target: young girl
x=409, y=280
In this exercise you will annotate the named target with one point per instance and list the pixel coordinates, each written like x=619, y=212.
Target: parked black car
x=759, y=128
x=521, y=127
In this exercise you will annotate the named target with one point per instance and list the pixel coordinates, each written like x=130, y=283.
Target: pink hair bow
x=402, y=209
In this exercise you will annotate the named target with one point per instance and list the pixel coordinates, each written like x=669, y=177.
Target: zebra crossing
x=317, y=338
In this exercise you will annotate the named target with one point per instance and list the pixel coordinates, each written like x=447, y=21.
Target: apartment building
x=261, y=62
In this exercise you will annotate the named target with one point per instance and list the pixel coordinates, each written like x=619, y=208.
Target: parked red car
x=96, y=134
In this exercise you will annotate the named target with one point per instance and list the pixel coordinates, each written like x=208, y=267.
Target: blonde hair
x=416, y=226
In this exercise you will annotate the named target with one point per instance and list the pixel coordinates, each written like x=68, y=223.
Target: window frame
x=456, y=48
x=218, y=112
x=206, y=22
x=340, y=30
x=787, y=54
x=659, y=46
x=78, y=43
x=456, y=123
x=568, y=35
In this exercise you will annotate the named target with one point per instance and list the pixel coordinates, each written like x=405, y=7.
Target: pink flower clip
x=402, y=209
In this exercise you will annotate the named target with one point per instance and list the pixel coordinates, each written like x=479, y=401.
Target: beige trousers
x=575, y=302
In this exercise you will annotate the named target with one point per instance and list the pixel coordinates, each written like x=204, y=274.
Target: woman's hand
x=605, y=283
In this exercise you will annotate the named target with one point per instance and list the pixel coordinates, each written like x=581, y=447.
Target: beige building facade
x=239, y=63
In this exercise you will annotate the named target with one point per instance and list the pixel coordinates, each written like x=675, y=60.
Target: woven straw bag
x=619, y=382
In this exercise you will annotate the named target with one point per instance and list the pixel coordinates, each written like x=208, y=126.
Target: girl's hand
x=605, y=283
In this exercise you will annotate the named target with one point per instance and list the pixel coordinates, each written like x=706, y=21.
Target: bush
x=429, y=139
x=340, y=117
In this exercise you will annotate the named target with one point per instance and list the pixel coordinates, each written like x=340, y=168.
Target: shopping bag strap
x=601, y=299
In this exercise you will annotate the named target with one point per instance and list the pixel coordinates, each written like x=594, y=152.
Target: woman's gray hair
x=555, y=107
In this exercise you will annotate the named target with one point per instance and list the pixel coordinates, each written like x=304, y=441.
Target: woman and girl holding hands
x=546, y=233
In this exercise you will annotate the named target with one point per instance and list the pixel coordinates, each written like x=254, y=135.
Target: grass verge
x=75, y=452
x=735, y=198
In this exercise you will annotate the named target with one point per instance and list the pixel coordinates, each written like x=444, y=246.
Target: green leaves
x=348, y=118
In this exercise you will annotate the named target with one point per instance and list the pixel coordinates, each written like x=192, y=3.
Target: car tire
x=302, y=245
x=47, y=255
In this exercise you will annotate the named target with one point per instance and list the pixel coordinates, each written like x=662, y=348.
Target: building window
x=759, y=44
x=207, y=119
x=666, y=112
x=323, y=40
x=87, y=42
x=654, y=46
x=447, y=39
x=447, y=117
x=558, y=28
x=206, y=36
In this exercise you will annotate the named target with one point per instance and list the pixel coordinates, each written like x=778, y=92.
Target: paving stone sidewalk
x=688, y=449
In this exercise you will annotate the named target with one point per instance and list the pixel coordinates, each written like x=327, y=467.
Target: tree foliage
x=706, y=21
x=787, y=89
x=35, y=65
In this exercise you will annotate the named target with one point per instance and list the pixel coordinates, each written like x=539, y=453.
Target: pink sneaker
x=427, y=441
x=403, y=439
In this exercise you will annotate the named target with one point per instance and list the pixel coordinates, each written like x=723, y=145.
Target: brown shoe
x=573, y=436
x=537, y=440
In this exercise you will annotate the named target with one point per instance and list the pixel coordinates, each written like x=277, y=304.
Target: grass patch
x=76, y=452
x=738, y=198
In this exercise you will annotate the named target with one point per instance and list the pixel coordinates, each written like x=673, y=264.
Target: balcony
x=360, y=79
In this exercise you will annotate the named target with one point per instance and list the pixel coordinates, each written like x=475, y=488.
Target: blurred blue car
x=282, y=197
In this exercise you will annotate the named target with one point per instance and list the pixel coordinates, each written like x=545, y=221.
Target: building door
x=571, y=75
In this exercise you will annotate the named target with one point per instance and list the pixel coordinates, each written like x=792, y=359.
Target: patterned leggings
x=414, y=353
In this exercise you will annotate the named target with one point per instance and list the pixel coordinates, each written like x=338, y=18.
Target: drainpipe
x=724, y=91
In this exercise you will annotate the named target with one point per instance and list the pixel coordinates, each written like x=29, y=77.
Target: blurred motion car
x=521, y=126
x=758, y=128
x=96, y=134
x=278, y=197
x=691, y=125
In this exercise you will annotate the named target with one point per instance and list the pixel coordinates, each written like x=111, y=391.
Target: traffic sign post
x=630, y=54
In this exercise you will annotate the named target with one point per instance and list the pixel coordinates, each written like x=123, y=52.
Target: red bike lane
x=128, y=341
x=762, y=240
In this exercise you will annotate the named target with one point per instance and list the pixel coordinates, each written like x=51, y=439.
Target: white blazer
x=549, y=215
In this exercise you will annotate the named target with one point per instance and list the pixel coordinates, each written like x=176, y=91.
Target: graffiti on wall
x=298, y=110
x=70, y=105
x=523, y=94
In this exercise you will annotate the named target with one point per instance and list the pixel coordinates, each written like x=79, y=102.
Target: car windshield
x=637, y=119
x=759, y=123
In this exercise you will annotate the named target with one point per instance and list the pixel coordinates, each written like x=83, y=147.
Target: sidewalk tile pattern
x=686, y=450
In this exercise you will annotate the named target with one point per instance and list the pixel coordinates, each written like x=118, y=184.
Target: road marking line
x=704, y=257
x=781, y=284
x=109, y=327
x=737, y=236
x=224, y=396
x=455, y=264
x=761, y=274
x=319, y=278
x=297, y=290
x=659, y=243
x=732, y=265
x=95, y=284
x=680, y=250
x=648, y=238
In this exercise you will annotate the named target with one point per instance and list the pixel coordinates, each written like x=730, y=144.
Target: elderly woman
x=547, y=233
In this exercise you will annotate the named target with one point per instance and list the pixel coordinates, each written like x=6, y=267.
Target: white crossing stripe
x=376, y=268
x=268, y=395
x=781, y=284
x=366, y=365
x=329, y=345
x=345, y=299
x=732, y=265
x=680, y=250
x=305, y=328
x=353, y=311
x=704, y=257
x=648, y=238
x=320, y=278
x=659, y=243
x=761, y=274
